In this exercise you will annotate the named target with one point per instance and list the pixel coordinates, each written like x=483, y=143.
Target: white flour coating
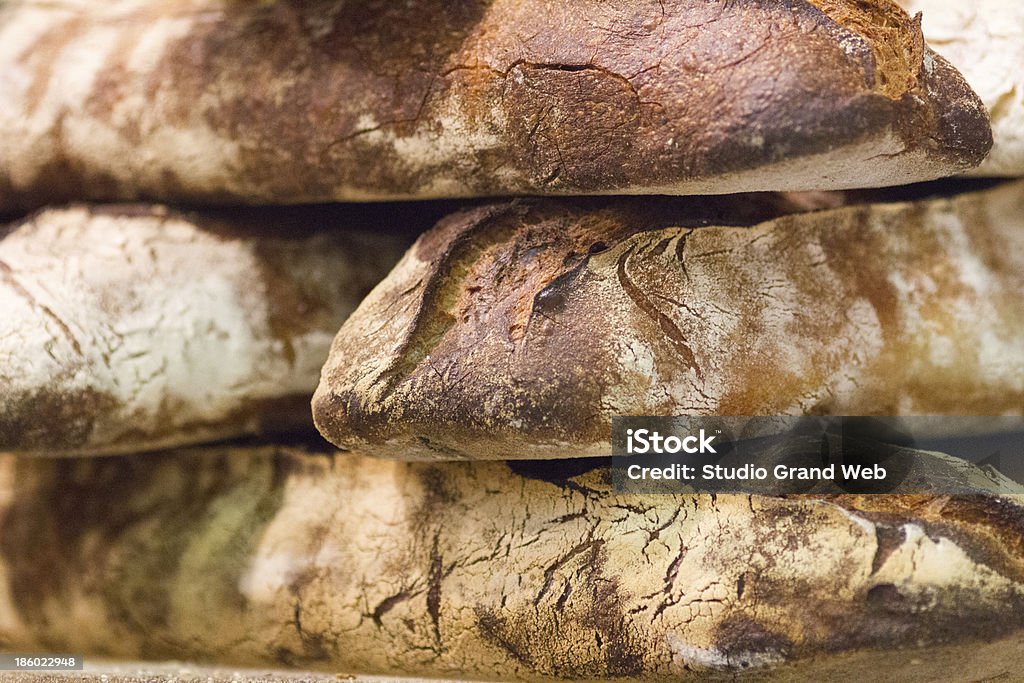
x=708, y=315
x=455, y=138
x=713, y=319
x=710, y=658
x=864, y=341
x=889, y=163
x=974, y=313
x=202, y=158
x=922, y=564
x=169, y=278
x=460, y=568
x=170, y=321
x=45, y=124
x=147, y=51
x=837, y=169
x=984, y=40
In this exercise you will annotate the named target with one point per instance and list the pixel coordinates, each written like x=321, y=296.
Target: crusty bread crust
x=518, y=330
x=984, y=39
x=287, y=101
x=495, y=572
x=130, y=328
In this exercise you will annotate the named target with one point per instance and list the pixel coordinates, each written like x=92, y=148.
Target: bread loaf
x=519, y=330
x=489, y=571
x=130, y=328
x=984, y=39
x=207, y=100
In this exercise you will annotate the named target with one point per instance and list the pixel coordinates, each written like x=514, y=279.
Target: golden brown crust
x=519, y=330
x=985, y=41
x=271, y=557
x=296, y=101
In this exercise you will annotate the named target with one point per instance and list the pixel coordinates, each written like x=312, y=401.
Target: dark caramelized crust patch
x=295, y=101
x=521, y=329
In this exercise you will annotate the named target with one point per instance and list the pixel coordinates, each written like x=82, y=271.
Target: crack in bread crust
x=300, y=102
x=581, y=311
x=274, y=556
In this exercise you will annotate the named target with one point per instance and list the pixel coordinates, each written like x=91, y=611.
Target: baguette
x=519, y=330
x=128, y=328
x=271, y=557
x=284, y=102
x=984, y=39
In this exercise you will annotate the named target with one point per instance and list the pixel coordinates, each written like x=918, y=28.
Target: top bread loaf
x=289, y=101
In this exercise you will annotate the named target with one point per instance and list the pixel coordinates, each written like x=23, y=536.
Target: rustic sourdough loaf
x=489, y=571
x=128, y=328
x=984, y=39
x=287, y=101
x=518, y=330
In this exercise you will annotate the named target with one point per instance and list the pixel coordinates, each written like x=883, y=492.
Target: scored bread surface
x=519, y=330
x=286, y=101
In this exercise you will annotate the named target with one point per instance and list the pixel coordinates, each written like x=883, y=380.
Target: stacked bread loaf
x=164, y=494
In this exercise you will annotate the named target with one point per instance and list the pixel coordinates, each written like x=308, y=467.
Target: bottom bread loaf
x=273, y=556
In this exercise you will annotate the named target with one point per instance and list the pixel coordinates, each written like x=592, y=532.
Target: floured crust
x=130, y=328
x=292, y=101
x=519, y=330
x=984, y=39
x=270, y=557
